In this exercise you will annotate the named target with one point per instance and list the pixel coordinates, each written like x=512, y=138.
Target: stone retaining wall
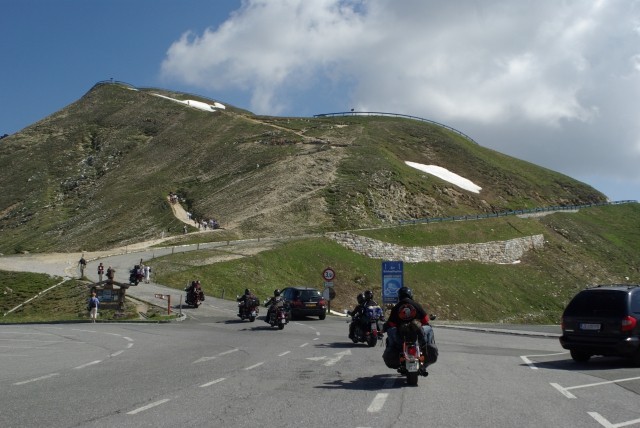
x=509, y=251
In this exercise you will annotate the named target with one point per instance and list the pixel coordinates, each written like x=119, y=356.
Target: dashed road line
x=87, y=364
x=284, y=353
x=115, y=354
x=37, y=379
x=204, y=385
x=304, y=344
x=148, y=406
x=203, y=359
x=380, y=399
x=254, y=366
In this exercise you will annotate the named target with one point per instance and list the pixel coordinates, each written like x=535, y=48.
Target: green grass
x=66, y=302
x=533, y=291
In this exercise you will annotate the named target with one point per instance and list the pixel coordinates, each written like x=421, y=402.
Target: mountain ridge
x=96, y=174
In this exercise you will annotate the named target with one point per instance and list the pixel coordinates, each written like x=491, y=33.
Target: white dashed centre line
x=88, y=364
x=284, y=353
x=254, y=366
x=37, y=379
x=147, y=407
x=212, y=382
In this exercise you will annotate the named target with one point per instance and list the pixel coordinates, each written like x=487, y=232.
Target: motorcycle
x=367, y=326
x=278, y=317
x=248, y=309
x=412, y=360
x=194, y=298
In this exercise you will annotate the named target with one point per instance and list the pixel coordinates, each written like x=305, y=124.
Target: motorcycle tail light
x=413, y=351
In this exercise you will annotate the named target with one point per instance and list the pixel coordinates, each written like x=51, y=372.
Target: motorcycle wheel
x=280, y=326
x=252, y=319
x=412, y=378
x=372, y=340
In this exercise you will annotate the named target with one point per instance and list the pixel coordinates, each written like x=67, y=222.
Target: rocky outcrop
x=504, y=252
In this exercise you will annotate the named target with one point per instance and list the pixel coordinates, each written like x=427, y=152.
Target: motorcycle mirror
x=432, y=317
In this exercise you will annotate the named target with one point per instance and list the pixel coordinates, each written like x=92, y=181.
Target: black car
x=603, y=320
x=305, y=301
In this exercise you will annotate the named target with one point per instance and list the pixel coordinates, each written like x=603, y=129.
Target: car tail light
x=562, y=324
x=628, y=323
x=322, y=303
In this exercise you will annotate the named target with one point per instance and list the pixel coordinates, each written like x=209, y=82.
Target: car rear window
x=603, y=303
x=309, y=295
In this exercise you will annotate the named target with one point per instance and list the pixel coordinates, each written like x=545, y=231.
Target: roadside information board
x=392, y=281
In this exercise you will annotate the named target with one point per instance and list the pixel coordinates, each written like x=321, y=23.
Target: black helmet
x=360, y=298
x=276, y=292
x=405, y=293
x=368, y=295
x=247, y=291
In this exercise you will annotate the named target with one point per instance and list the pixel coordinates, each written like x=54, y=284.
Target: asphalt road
x=214, y=370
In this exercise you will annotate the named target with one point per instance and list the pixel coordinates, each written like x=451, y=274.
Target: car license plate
x=586, y=326
x=310, y=305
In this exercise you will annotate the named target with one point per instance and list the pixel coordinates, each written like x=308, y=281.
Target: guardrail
x=513, y=212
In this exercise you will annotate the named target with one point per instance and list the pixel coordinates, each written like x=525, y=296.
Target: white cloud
x=555, y=83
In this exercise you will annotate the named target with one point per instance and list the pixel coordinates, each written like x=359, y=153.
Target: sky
x=552, y=82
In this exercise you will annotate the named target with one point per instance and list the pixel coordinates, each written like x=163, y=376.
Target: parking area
x=607, y=389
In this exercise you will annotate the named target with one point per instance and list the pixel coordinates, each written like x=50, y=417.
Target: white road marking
x=337, y=358
x=147, y=407
x=284, y=353
x=566, y=393
x=115, y=354
x=204, y=385
x=84, y=331
x=33, y=340
x=129, y=345
x=203, y=359
x=378, y=402
x=37, y=379
x=531, y=364
x=254, y=366
x=605, y=423
x=127, y=338
x=21, y=333
x=563, y=391
x=304, y=344
x=88, y=364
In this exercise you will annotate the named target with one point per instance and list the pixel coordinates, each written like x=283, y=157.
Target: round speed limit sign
x=328, y=274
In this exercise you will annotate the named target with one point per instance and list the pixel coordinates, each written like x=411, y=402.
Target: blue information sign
x=391, y=281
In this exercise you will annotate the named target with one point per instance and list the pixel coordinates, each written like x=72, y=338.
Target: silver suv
x=603, y=320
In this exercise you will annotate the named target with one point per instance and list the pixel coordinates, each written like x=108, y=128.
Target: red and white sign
x=328, y=274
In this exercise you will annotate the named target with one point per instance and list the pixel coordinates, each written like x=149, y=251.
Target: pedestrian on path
x=100, y=271
x=82, y=264
x=93, y=306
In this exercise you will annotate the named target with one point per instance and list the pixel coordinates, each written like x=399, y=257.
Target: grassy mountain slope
x=96, y=174
x=594, y=246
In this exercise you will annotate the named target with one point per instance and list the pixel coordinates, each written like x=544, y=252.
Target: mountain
x=97, y=173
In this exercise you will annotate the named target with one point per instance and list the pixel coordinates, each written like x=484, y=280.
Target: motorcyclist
x=356, y=314
x=406, y=311
x=246, y=299
x=368, y=299
x=273, y=303
x=194, y=290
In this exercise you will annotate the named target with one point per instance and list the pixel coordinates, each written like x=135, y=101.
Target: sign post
x=328, y=275
x=392, y=281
